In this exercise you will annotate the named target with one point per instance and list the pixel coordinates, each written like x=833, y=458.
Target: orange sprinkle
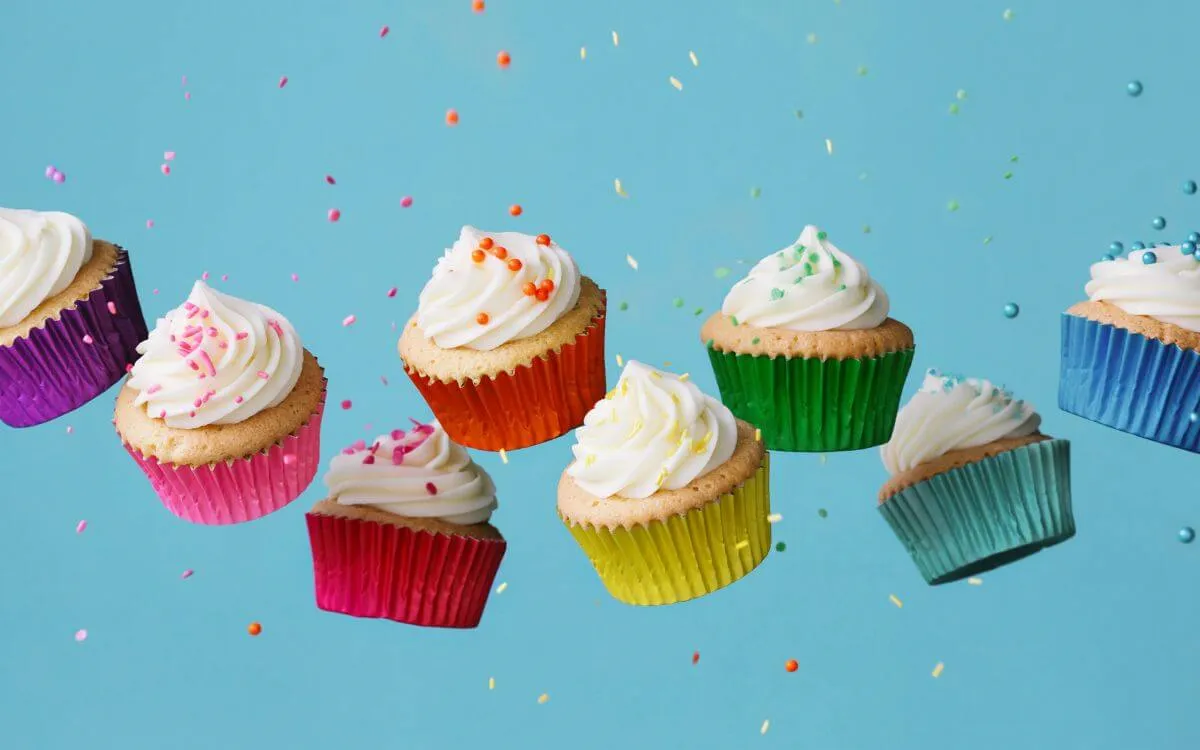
x=477, y=6
x=542, y=295
x=515, y=209
x=254, y=628
x=452, y=117
x=529, y=289
x=791, y=665
x=503, y=59
x=485, y=243
x=482, y=319
x=500, y=252
x=546, y=284
x=514, y=264
x=477, y=256
x=543, y=239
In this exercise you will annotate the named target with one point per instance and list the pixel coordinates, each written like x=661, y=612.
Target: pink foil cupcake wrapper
x=55, y=370
x=243, y=489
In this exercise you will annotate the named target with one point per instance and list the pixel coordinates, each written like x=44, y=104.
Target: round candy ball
x=1134, y=88
x=1012, y=310
x=1187, y=534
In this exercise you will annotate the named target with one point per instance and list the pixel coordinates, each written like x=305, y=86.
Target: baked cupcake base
x=75, y=345
x=1131, y=373
x=371, y=563
x=224, y=474
x=974, y=510
x=679, y=544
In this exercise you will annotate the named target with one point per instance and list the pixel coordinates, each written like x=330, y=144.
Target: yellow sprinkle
x=758, y=434
x=896, y=600
x=589, y=459
x=503, y=455
x=491, y=683
x=656, y=374
x=662, y=477
x=937, y=671
x=829, y=146
x=695, y=62
x=631, y=261
x=675, y=397
x=742, y=544
x=975, y=581
x=775, y=518
x=624, y=383
x=637, y=427
x=621, y=192
x=501, y=587
x=684, y=378
x=583, y=53
x=666, y=364
x=675, y=82
x=609, y=396
x=766, y=725
x=543, y=697
x=621, y=363
x=701, y=445
x=616, y=39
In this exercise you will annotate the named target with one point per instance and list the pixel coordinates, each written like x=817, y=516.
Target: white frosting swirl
x=951, y=413
x=469, y=287
x=654, y=430
x=416, y=474
x=40, y=254
x=216, y=359
x=1167, y=289
x=808, y=286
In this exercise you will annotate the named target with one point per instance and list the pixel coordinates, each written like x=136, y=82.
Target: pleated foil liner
x=54, y=370
x=243, y=489
x=814, y=405
x=685, y=556
x=989, y=513
x=1132, y=383
x=533, y=404
x=369, y=569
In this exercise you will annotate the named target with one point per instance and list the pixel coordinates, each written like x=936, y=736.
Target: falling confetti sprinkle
x=620, y=361
x=822, y=512
x=960, y=94
x=349, y=320
x=383, y=32
x=71, y=429
x=632, y=263
x=695, y=657
x=811, y=38
x=829, y=146
x=765, y=726
x=755, y=192
x=896, y=600
x=952, y=206
x=675, y=82
x=791, y=665
x=515, y=209
x=254, y=628
x=695, y=61
x=169, y=155
x=620, y=190
x=149, y=223
x=477, y=6
x=721, y=272
x=406, y=201
x=862, y=70
x=451, y=117
x=334, y=215
x=80, y=527
x=503, y=59
x=491, y=683
x=186, y=574
x=616, y=39
x=775, y=518
x=1008, y=14
x=80, y=636
x=583, y=53
x=346, y=404
x=392, y=292
x=975, y=581
x=503, y=453
x=546, y=696
x=937, y=671
x=501, y=587
x=283, y=81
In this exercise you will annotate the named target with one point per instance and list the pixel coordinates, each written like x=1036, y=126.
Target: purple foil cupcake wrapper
x=1129, y=382
x=54, y=370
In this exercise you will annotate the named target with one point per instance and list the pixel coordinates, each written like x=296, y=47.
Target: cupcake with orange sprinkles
x=507, y=344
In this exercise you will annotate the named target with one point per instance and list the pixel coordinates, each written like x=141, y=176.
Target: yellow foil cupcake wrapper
x=685, y=556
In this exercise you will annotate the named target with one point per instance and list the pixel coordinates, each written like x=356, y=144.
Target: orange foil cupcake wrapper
x=243, y=489
x=369, y=569
x=536, y=402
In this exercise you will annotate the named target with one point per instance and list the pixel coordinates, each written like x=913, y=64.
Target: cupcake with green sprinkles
x=803, y=348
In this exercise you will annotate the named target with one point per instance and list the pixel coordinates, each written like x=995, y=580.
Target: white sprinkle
x=616, y=39
x=937, y=671
x=631, y=261
x=775, y=518
x=70, y=429
x=975, y=581
x=896, y=601
x=829, y=146
x=503, y=455
x=675, y=82
x=766, y=725
x=80, y=636
x=695, y=62
x=80, y=527
x=501, y=587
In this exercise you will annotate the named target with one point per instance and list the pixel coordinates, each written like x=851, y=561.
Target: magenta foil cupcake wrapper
x=66, y=362
x=242, y=489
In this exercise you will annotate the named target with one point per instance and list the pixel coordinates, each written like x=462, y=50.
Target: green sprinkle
x=755, y=340
x=1008, y=15
x=698, y=311
x=799, y=279
x=709, y=343
x=987, y=240
x=837, y=263
x=952, y=206
x=808, y=269
x=821, y=235
x=721, y=272
x=960, y=94
x=866, y=228
x=623, y=306
x=780, y=547
x=1014, y=158
x=733, y=319
x=678, y=302
x=862, y=70
x=755, y=192
x=842, y=288
x=812, y=38
x=1008, y=175
x=776, y=294
x=954, y=109
x=822, y=512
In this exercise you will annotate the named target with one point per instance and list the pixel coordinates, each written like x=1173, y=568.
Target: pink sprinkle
x=80, y=636
x=192, y=364
x=112, y=308
x=278, y=329
x=369, y=459
x=186, y=574
x=346, y=404
x=204, y=276
x=129, y=367
x=212, y=332
x=383, y=379
x=87, y=339
x=190, y=306
x=263, y=375
x=392, y=292
x=238, y=400
x=349, y=320
x=359, y=445
x=289, y=459
x=224, y=277
x=330, y=180
x=397, y=455
x=153, y=389
x=165, y=169
x=282, y=81
x=198, y=403
x=421, y=427
x=70, y=429
x=50, y=170
x=212, y=369
x=397, y=434
x=431, y=488
x=334, y=214
x=162, y=414
x=155, y=291
x=183, y=81
x=80, y=527
x=383, y=32
x=295, y=277
x=58, y=177
x=168, y=155
x=149, y=223
x=192, y=414
x=187, y=96
x=406, y=201
x=242, y=335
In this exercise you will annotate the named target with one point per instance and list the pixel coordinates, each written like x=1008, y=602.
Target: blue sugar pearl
x=1106, y=256
x=1159, y=223
x=1012, y=310
x=1188, y=248
x=1149, y=258
x=1116, y=248
x=1193, y=417
x=1134, y=88
x=1194, y=237
x=1187, y=534
x=1189, y=187
x=1138, y=246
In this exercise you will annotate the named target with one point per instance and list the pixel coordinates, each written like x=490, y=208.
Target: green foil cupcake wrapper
x=978, y=517
x=811, y=404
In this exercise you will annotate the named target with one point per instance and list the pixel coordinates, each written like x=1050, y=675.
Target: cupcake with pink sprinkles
x=223, y=410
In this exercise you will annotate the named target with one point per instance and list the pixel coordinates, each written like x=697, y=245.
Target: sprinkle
x=149, y=223
x=482, y=318
x=862, y=70
x=515, y=209
x=623, y=306
x=742, y=544
x=698, y=311
x=1008, y=15
x=406, y=201
x=254, y=629
x=80, y=636
x=682, y=378
x=431, y=488
x=811, y=38
x=543, y=698
x=776, y=294
x=975, y=581
x=953, y=109
x=451, y=117
x=695, y=62
x=295, y=277
x=391, y=292
x=334, y=214
x=165, y=169
x=829, y=146
x=758, y=434
x=765, y=726
x=755, y=192
x=675, y=82
x=721, y=272
x=543, y=239
x=695, y=657
x=71, y=429
x=677, y=302
x=791, y=665
x=937, y=671
x=501, y=587
x=620, y=362
x=620, y=190
x=383, y=379
x=503, y=59
x=87, y=339
x=477, y=6
x=282, y=81
x=187, y=574
x=775, y=518
x=503, y=456
x=616, y=39
x=80, y=527
x=781, y=547
x=631, y=261
x=895, y=600
x=952, y=206
x=491, y=683
x=383, y=32
x=267, y=376
x=1159, y=223
x=346, y=404
x=346, y=321
x=733, y=319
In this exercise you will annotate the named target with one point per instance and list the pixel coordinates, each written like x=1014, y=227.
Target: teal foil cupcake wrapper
x=1129, y=382
x=989, y=513
x=811, y=404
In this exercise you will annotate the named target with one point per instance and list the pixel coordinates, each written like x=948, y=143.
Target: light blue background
x=1092, y=644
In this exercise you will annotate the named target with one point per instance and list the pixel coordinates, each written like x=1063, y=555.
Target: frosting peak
x=1161, y=282
x=950, y=413
x=216, y=359
x=418, y=474
x=40, y=254
x=655, y=430
x=808, y=286
x=495, y=287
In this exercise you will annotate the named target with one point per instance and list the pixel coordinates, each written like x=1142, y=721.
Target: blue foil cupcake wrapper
x=1132, y=383
x=989, y=513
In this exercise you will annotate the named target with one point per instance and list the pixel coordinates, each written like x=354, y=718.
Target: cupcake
x=70, y=319
x=668, y=493
x=974, y=485
x=803, y=348
x=507, y=345
x=1131, y=353
x=223, y=410
x=404, y=533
